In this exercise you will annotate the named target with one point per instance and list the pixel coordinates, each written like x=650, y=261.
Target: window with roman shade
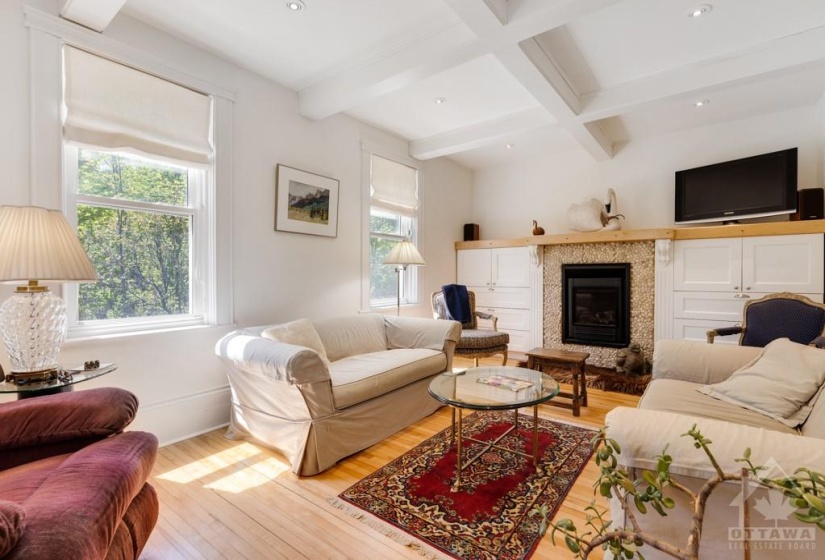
x=139, y=181
x=394, y=210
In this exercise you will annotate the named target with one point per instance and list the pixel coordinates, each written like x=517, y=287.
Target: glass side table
x=62, y=384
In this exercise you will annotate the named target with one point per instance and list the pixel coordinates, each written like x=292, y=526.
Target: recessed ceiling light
x=699, y=11
x=296, y=5
x=701, y=103
x=439, y=100
x=510, y=146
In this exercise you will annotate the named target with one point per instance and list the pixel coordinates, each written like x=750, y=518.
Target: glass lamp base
x=33, y=326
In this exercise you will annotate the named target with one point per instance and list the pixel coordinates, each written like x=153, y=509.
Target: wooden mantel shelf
x=695, y=232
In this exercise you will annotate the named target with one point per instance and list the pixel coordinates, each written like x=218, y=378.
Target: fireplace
x=596, y=304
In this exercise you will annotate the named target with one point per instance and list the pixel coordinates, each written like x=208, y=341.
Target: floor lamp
x=37, y=245
x=404, y=254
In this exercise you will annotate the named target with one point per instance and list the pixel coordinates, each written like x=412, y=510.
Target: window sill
x=127, y=334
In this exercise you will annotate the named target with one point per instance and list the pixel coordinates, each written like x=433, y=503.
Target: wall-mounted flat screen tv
x=752, y=187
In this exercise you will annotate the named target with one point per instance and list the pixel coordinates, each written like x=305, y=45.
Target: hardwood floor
x=236, y=500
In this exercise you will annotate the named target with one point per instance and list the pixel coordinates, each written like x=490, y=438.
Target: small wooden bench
x=537, y=358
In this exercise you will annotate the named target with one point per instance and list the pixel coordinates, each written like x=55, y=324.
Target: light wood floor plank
x=223, y=499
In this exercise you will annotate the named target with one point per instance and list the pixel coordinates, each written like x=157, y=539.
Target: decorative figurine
x=631, y=360
x=537, y=230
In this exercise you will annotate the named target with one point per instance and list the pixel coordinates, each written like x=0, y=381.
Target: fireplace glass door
x=596, y=304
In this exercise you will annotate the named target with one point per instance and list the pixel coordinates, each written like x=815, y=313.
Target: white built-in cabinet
x=502, y=281
x=713, y=278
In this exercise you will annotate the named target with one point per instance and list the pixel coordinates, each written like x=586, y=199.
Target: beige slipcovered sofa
x=670, y=406
x=366, y=379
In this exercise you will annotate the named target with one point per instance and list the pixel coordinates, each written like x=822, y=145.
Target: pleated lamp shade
x=39, y=244
x=404, y=253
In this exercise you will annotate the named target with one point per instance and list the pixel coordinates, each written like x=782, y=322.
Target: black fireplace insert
x=596, y=304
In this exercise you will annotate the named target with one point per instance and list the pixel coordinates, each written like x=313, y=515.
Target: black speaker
x=810, y=205
x=470, y=232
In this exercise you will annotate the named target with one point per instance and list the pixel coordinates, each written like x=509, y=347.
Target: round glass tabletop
x=74, y=376
x=494, y=388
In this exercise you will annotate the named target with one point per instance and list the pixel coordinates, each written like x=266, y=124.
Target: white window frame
x=411, y=279
x=48, y=34
x=201, y=249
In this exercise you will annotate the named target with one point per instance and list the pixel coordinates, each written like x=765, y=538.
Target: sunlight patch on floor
x=210, y=464
x=250, y=477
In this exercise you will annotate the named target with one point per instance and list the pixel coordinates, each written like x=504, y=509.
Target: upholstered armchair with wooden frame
x=779, y=315
x=474, y=343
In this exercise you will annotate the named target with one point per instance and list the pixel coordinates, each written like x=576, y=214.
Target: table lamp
x=37, y=244
x=404, y=254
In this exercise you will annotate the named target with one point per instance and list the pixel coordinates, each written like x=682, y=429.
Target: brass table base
x=490, y=444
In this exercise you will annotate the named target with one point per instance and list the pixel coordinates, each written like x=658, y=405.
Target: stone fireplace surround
x=640, y=255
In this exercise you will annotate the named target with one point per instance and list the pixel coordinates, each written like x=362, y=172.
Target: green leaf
x=604, y=490
x=566, y=524
x=640, y=504
x=815, y=502
x=572, y=545
x=747, y=453
x=668, y=502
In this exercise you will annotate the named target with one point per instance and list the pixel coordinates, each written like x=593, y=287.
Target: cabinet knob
x=747, y=288
x=736, y=287
x=488, y=283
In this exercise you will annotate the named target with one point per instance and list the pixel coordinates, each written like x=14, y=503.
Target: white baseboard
x=184, y=417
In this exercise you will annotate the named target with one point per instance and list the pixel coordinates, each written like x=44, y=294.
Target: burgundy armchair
x=72, y=483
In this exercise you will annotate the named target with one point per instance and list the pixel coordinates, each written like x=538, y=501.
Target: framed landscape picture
x=305, y=202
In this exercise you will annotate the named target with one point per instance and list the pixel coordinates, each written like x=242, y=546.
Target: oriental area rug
x=410, y=499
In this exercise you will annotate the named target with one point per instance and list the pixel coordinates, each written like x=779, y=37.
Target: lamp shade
x=404, y=253
x=39, y=244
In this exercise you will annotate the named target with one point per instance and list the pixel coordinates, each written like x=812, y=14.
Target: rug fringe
x=388, y=530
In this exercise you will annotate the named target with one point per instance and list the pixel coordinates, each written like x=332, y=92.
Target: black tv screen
x=763, y=185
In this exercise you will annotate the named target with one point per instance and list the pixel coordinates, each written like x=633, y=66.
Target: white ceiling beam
x=94, y=14
x=531, y=66
x=780, y=55
x=480, y=135
x=437, y=51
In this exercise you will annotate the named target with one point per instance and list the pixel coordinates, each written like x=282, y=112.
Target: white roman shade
x=113, y=106
x=393, y=186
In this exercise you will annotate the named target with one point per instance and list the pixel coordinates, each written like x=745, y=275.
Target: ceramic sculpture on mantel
x=595, y=215
x=537, y=229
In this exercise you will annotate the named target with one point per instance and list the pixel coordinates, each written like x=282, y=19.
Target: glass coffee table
x=492, y=388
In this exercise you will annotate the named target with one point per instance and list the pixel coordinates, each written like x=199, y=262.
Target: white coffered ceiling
x=540, y=75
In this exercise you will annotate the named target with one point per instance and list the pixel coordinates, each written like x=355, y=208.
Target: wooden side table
x=537, y=358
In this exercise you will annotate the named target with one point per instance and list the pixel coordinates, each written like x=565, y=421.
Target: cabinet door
x=708, y=265
x=473, y=267
x=783, y=263
x=696, y=329
x=511, y=298
x=511, y=267
x=709, y=306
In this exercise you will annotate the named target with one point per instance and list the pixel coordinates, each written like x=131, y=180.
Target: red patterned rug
x=488, y=517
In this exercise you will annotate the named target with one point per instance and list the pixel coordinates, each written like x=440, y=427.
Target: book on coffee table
x=505, y=382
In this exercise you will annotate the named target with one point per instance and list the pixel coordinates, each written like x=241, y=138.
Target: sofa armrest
x=698, y=362
x=277, y=361
x=643, y=434
x=49, y=425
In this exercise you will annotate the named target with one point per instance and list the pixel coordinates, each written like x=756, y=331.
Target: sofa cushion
x=351, y=336
x=779, y=383
x=300, y=333
x=681, y=397
x=366, y=376
x=12, y=525
x=814, y=426
x=699, y=362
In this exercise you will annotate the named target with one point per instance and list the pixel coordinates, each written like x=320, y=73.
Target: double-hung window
x=137, y=153
x=394, y=212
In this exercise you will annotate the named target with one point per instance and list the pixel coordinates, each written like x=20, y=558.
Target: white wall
x=507, y=198
x=277, y=276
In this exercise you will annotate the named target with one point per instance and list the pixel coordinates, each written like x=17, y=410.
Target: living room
x=264, y=276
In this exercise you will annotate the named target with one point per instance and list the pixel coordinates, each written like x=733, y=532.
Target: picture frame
x=305, y=202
